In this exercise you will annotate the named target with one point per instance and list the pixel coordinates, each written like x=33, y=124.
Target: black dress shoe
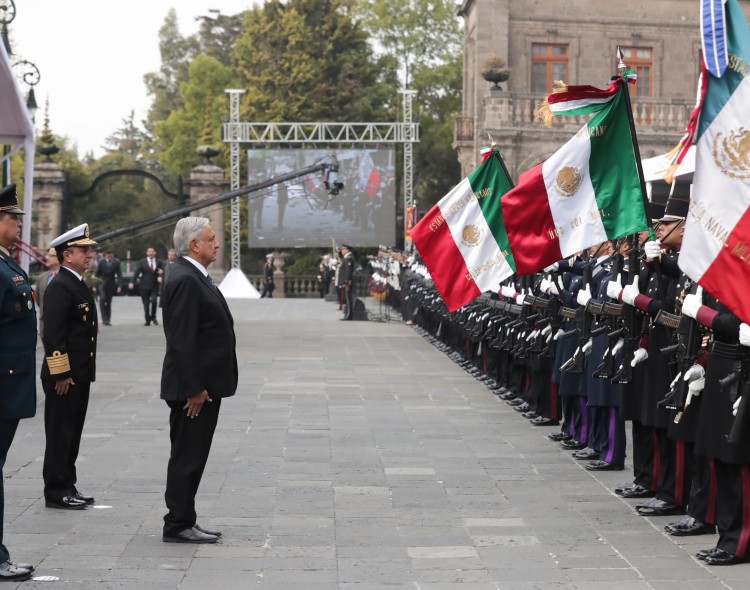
x=88, y=499
x=192, y=535
x=703, y=553
x=530, y=414
x=155, y=322
x=543, y=421
x=721, y=557
x=637, y=491
x=689, y=527
x=197, y=527
x=516, y=401
x=23, y=566
x=66, y=503
x=626, y=486
x=522, y=407
x=573, y=445
x=659, y=508
x=10, y=572
x=586, y=454
x=559, y=436
x=603, y=466
x=147, y=324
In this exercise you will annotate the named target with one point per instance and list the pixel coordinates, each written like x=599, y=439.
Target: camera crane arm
x=329, y=166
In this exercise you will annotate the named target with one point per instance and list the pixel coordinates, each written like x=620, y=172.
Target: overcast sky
x=92, y=56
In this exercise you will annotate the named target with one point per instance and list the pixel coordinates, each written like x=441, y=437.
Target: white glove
x=553, y=290
x=552, y=267
x=545, y=286
x=744, y=334
x=583, y=296
x=694, y=373
x=630, y=292
x=618, y=346
x=691, y=305
x=559, y=333
x=507, y=291
x=639, y=356
x=587, y=347
x=652, y=249
x=547, y=330
x=736, y=406
x=532, y=335
x=614, y=288
x=520, y=298
x=696, y=387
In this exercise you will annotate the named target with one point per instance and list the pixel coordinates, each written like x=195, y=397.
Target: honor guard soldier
x=17, y=355
x=69, y=367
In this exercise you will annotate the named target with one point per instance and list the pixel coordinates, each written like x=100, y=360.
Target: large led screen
x=301, y=213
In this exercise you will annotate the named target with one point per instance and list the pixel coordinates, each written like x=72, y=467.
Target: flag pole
x=637, y=153
x=499, y=155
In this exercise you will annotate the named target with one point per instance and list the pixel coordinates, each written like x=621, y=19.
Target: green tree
x=424, y=37
x=179, y=135
x=307, y=60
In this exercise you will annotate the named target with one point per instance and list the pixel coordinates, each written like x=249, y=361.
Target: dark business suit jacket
x=70, y=328
x=144, y=276
x=17, y=344
x=200, y=337
x=109, y=272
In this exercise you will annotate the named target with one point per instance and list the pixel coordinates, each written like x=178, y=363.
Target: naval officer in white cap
x=69, y=367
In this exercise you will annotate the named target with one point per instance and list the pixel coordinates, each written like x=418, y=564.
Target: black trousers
x=703, y=494
x=646, y=463
x=191, y=443
x=7, y=432
x=64, y=416
x=150, y=299
x=733, y=508
x=105, y=301
x=676, y=469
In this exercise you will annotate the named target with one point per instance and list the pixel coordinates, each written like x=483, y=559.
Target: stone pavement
x=355, y=455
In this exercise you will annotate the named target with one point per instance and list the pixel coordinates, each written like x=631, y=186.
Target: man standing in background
x=44, y=279
x=109, y=272
x=148, y=277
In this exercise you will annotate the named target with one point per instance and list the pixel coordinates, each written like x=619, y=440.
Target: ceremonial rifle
x=740, y=432
x=583, y=328
x=606, y=368
x=630, y=324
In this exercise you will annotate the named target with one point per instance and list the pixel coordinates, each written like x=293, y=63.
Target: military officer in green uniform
x=17, y=355
x=69, y=367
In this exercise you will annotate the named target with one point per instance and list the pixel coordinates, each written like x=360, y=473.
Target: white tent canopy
x=17, y=129
x=654, y=168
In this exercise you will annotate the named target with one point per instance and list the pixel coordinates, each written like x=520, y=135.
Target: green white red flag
x=716, y=245
x=462, y=239
x=589, y=191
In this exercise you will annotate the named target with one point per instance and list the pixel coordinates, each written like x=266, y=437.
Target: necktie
x=210, y=280
x=51, y=276
x=151, y=263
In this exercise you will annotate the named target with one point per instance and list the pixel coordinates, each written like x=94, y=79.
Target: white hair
x=186, y=230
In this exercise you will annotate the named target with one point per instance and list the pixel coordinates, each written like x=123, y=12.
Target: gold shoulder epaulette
x=58, y=363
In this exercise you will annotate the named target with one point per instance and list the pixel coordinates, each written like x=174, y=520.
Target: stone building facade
x=575, y=41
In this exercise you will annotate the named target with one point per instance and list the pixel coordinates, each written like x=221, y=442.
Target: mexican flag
x=462, y=239
x=716, y=245
x=587, y=192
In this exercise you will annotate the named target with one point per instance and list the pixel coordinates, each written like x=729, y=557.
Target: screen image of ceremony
x=301, y=213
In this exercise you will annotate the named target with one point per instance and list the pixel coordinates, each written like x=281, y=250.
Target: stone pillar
x=279, y=260
x=46, y=218
x=208, y=181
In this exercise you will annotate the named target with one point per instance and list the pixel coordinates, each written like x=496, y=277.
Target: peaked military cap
x=655, y=210
x=676, y=210
x=78, y=236
x=9, y=199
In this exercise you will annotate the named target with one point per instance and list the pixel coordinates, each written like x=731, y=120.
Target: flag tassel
x=543, y=111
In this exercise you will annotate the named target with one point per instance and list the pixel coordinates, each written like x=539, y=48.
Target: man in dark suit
x=200, y=368
x=69, y=367
x=44, y=279
x=348, y=266
x=268, y=283
x=108, y=270
x=17, y=356
x=148, y=277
